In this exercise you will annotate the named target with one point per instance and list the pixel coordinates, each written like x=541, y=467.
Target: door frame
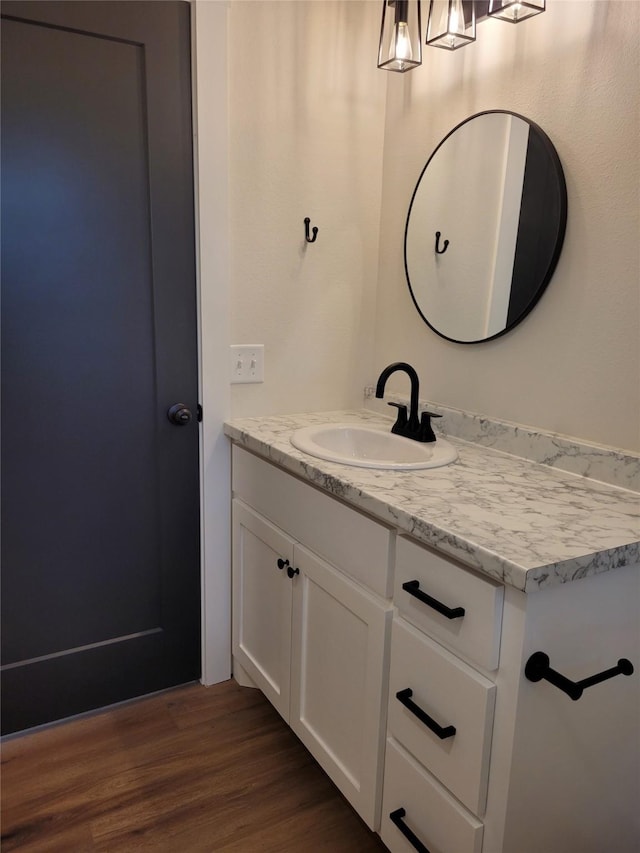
x=210, y=126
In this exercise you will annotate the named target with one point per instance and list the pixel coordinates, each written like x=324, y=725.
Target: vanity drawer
x=438, y=821
x=348, y=539
x=441, y=710
x=472, y=619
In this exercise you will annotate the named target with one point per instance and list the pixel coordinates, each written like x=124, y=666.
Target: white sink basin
x=371, y=447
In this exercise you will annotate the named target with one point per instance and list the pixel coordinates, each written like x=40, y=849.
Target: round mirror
x=485, y=227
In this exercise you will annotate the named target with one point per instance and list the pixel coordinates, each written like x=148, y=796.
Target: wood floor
x=194, y=770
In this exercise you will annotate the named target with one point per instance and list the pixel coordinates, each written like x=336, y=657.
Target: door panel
x=100, y=491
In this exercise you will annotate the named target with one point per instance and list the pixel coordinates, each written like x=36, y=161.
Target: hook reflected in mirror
x=445, y=245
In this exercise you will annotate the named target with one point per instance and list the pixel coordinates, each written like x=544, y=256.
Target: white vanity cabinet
x=404, y=671
x=313, y=640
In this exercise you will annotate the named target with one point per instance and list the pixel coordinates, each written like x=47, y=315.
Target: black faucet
x=419, y=429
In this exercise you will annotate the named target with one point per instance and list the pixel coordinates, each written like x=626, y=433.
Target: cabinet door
x=262, y=603
x=338, y=690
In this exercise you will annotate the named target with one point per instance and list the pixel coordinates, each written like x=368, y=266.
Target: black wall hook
x=307, y=222
x=445, y=245
x=537, y=668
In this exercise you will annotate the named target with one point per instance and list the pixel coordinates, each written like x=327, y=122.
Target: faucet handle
x=426, y=430
x=401, y=420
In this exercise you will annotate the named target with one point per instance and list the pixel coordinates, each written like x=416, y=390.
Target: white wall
x=306, y=112
x=573, y=365
x=289, y=123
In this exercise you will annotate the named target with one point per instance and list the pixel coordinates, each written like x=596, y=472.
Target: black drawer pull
x=282, y=564
x=404, y=697
x=413, y=588
x=412, y=838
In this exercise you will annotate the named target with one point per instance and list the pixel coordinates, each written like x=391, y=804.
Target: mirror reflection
x=485, y=227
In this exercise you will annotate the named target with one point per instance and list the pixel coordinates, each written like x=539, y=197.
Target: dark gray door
x=100, y=498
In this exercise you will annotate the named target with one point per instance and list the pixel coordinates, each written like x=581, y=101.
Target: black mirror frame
x=559, y=241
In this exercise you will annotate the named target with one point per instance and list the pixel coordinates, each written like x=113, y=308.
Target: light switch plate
x=247, y=363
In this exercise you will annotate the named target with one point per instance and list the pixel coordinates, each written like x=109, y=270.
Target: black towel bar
x=537, y=668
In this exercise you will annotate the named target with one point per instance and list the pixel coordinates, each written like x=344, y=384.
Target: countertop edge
x=471, y=554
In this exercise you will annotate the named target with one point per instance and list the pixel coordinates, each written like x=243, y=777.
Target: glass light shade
x=515, y=11
x=400, y=35
x=451, y=24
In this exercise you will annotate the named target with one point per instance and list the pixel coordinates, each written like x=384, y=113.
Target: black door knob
x=179, y=414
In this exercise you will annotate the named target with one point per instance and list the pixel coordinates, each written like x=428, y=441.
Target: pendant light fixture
x=515, y=11
x=400, y=35
x=451, y=24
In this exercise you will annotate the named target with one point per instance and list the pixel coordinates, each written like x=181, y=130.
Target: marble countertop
x=525, y=524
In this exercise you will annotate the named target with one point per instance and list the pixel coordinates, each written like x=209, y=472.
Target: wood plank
x=194, y=769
